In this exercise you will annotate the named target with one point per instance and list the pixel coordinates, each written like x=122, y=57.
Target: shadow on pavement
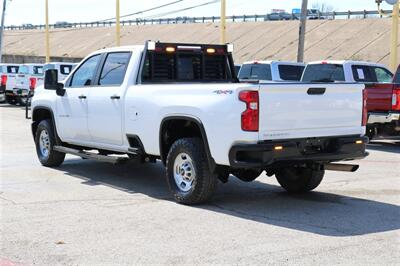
x=392, y=146
x=317, y=212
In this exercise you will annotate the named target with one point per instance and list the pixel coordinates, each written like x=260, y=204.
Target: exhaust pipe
x=341, y=167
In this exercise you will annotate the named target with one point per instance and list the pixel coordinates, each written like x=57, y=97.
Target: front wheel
x=45, y=141
x=299, y=179
x=188, y=174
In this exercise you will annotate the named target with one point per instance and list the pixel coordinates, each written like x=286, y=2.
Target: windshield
x=23, y=70
x=256, y=72
x=323, y=73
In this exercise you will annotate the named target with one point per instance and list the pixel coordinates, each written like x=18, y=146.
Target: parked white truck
x=182, y=104
x=271, y=71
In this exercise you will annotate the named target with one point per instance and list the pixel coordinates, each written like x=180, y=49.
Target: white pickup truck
x=183, y=105
x=271, y=71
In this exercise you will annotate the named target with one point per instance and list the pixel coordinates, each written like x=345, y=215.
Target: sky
x=32, y=11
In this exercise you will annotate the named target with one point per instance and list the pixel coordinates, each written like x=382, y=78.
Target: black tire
x=11, y=100
x=247, y=175
x=22, y=100
x=51, y=158
x=299, y=179
x=203, y=183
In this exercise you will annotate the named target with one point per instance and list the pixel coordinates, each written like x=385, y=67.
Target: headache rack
x=181, y=62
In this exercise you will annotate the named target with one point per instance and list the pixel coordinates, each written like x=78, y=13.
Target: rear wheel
x=22, y=100
x=299, y=179
x=45, y=141
x=188, y=174
x=11, y=100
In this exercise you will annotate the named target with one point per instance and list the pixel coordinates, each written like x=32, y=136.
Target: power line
x=180, y=10
x=142, y=11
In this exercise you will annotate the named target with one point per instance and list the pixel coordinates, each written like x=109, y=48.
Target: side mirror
x=51, y=82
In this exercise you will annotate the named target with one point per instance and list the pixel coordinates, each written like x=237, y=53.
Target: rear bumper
x=316, y=150
x=20, y=92
x=10, y=93
x=382, y=118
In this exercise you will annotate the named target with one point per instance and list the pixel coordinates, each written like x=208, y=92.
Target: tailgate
x=289, y=111
x=379, y=97
x=22, y=81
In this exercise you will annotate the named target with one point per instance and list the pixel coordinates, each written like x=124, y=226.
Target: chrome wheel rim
x=184, y=173
x=44, y=143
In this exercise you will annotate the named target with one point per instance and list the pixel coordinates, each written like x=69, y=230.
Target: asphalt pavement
x=87, y=212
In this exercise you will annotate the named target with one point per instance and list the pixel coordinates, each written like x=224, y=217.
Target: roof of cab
x=346, y=62
x=271, y=62
x=119, y=49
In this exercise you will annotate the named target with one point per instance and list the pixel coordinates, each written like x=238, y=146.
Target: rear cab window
x=290, y=72
x=23, y=70
x=255, y=72
x=188, y=63
x=324, y=73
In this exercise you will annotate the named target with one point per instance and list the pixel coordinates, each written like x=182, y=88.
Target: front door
x=72, y=108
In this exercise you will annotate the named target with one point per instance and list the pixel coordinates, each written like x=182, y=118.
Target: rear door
x=310, y=110
x=105, y=102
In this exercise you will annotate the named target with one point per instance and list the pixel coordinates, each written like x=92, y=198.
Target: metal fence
x=184, y=20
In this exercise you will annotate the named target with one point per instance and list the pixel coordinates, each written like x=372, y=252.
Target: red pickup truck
x=383, y=105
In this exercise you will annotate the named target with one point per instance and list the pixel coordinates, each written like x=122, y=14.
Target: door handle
x=115, y=97
x=316, y=91
x=82, y=97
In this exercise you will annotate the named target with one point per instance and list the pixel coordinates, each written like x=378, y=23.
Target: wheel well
x=38, y=115
x=177, y=128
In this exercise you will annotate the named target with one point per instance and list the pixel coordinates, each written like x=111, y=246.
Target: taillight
x=365, y=110
x=396, y=100
x=32, y=83
x=3, y=80
x=250, y=116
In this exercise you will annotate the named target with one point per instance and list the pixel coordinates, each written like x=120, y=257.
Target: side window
x=383, y=75
x=12, y=69
x=114, y=69
x=86, y=72
x=65, y=69
x=290, y=72
x=38, y=70
x=363, y=74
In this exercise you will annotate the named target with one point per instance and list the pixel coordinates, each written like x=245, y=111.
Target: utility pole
x=2, y=30
x=118, y=25
x=302, y=31
x=47, y=32
x=223, y=22
x=395, y=37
